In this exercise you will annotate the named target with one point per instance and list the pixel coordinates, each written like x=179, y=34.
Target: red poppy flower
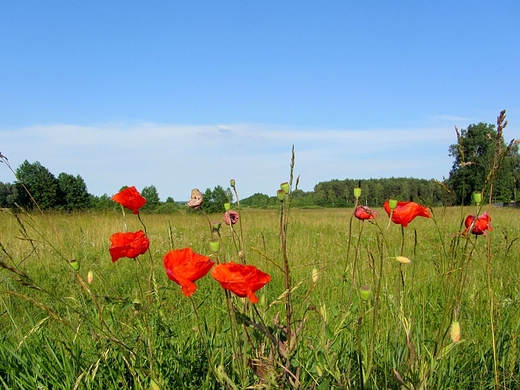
x=131, y=244
x=130, y=198
x=405, y=212
x=230, y=217
x=482, y=224
x=185, y=267
x=363, y=213
x=242, y=280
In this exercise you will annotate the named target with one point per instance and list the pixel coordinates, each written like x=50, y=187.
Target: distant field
x=132, y=327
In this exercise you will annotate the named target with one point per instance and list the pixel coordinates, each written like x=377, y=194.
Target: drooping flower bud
x=365, y=293
x=403, y=260
x=74, y=264
x=285, y=187
x=214, y=245
x=315, y=275
x=477, y=198
x=455, y=331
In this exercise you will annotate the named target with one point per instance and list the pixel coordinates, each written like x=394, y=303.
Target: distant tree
x=474, y=160
x=152, y=198
x=102, y=203
x=214, y=200
x=73, y=191
x=41, y=184
x=7, y=194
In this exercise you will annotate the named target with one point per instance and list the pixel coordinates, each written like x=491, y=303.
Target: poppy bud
x=232, y=183
x=227, y=206
x=477, y=197
x=392, y=203
x=280, y=194
x=455, y=331
x=403, y=260
x=365, y=293
x=216, y=227
x=74, y=264
x=214, y=245
x=315, y=275
x=357, y=192
x=241, y=254
x=285, y=187
x=90, y=277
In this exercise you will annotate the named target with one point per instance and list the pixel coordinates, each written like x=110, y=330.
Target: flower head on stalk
x=241, y=280
x=130, y=244
x=130, y=198
x=185, y=267
x=480, y=226
x=364, y=212
x=196, y=199
x=405, y=212
x=230, y=217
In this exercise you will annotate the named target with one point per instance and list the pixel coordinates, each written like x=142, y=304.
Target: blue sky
x=184, y=94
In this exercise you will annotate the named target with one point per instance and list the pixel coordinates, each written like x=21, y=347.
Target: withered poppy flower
x=131, y=244
x=363, y=213
x=482, y=224
x=242, y=280
x=185, y=267
x=405, y=212
x=196, y=199
x=130, y=198
x=230, y=217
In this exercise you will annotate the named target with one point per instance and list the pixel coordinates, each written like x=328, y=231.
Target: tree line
x=483, y=162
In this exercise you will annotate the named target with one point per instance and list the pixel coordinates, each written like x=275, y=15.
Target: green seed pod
x=357, y=192
x=74, y=264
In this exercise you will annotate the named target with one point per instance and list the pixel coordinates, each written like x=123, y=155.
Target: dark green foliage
x=40, y=183
x=214, y=200
x=473, y=155
x=74, y=192
x=8, y=194
x=152, y=198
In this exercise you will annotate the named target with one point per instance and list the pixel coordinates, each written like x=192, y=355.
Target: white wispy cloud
x=176, y=158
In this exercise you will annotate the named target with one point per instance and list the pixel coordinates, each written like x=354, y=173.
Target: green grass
x=128, y=328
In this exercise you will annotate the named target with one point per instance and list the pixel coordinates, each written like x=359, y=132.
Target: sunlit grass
x=127, y=331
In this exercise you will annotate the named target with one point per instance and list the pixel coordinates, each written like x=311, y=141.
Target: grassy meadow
x=449, y=319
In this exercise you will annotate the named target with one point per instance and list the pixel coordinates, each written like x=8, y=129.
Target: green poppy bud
x=74, y=264
x=357, y=192
x=281, y=195
x=365, y=293
x=285, y=187
x=227, y=206
x=232, y=183
x=392, y=203
x=477, y=198
x=214, y=245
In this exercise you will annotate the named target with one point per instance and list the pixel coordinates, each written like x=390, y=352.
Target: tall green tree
x=41, y=184
x=483, y=162
x=214, y=200
x=152, y=198
x=7, y=194
x=73, y=191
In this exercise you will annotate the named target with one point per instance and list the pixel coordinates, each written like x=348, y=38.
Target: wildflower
x=131, y=244
x=230, y=217
x=363, y=213
x=130, y=198
x=185, y=267
x=482, y=224
x=241, y=280
x=405, y=212
x=196, y=199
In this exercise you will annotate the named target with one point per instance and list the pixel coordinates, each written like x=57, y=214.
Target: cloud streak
x=176, y=158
